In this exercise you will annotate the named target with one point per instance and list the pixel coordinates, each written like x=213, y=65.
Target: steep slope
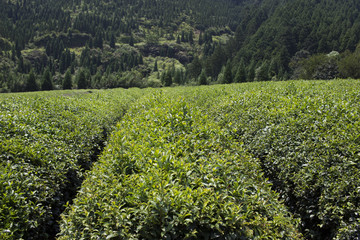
x=314, y=26
x=99, y=36
x=118, y=43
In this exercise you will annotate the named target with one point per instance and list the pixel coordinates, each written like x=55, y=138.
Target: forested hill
x=60, y=44
x=298, y=36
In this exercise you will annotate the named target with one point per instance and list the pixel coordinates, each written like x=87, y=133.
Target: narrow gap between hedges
x=74, y=182
x=69, y=192
x=290, y=202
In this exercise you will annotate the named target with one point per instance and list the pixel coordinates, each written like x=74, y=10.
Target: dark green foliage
x=131, y=41
x=305, y=135
x=61, y=26
x=194, y=68
x=240, y=75
x=262, y=72
x=20, y=65
x=170, y=172
x=66, y=60
x=349, y=65
x=228, y=73
x=178, y=77
x=316, y=26
x=166, y=78
x=140, y=60
x=183, y=37
x=259, y=33
x=251, y=72
x=319, y=66
x=215, y=62
x=155, y=66
x=112, y=41
x=55, y=47
x=201, y=38
x=67, y=83
x=98, y=40
x=47, y=142
x=31, y=84
x=203, y=78
x=47, y=83
x=82, y=82
x=5, y=45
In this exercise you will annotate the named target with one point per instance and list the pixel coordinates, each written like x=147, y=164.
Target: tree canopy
x=260, y=39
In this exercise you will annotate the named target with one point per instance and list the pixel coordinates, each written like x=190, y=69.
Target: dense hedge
x=191, y=167
x=306, y=135
x=46, y=142
x=169, y=172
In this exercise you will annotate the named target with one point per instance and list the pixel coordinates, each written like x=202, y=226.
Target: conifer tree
x=251, y=72
x=194, y=68
x=155, y=66
x=262, y=72
x=112, y=41
x=31, y=84
x=227, y=73
x=67, y=84
x=203, y=78
x=240, y=73
x=166, y=78
x=98, y=41
x=201, y=39
x=191, y=37
x=62, y=63
x=216, y=61
x=183, y=39
x=178, y=41
x=177, y=77
x=132, y=40
x=20, y=64
x=82, y=84
x=140, y=59
x=47, y=83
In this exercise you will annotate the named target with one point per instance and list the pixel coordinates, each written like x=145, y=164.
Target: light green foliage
x=184, y=163
x=170, y=172
x=306, y=135
x=46, y=143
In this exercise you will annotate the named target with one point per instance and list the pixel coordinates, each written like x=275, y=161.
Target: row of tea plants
x=47, y=140
x=184, y=163
x=304, y=136
x=170, y=172
x=307, y=138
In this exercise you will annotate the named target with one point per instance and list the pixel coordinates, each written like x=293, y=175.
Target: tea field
x=263, y=160
x=47, y=141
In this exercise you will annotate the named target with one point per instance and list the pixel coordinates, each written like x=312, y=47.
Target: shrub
x=169, y=172
x=305, y=134
x=47, y=141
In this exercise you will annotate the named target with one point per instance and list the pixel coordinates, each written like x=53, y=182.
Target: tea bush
x=47, y=140
x=306, y=135
x=183, y=163
x=169, y=172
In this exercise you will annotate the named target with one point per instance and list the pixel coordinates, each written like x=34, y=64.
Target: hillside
x=141, y=43
x=296, y=34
